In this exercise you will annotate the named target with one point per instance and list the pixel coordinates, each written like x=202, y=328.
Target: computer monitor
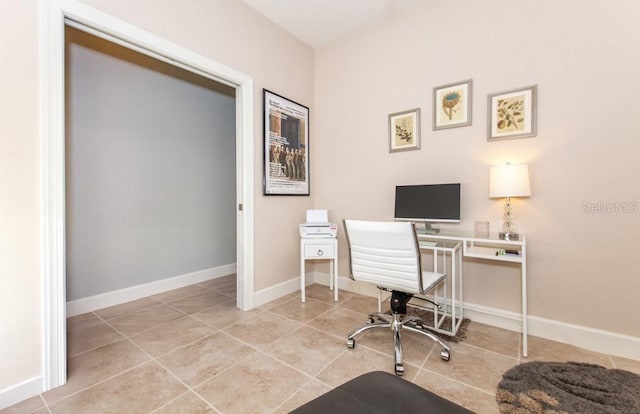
x=428, y=203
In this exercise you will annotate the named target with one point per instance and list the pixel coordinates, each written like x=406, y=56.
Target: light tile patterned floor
x=191, y=351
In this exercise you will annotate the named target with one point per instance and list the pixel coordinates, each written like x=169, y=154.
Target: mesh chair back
x=385, y=254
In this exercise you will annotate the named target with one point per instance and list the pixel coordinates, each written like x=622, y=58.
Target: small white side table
x=316, y=249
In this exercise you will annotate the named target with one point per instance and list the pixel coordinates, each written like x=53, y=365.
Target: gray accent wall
x=150, y=169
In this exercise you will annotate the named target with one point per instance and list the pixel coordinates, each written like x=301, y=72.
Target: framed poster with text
x=286, y=146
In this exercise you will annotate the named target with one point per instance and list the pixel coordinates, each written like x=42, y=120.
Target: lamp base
x=508, y=236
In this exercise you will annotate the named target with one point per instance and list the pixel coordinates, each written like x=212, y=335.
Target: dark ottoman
x=379, y=393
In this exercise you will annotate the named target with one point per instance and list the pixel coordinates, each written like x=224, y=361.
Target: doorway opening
x=55, y=16
x=150, y=175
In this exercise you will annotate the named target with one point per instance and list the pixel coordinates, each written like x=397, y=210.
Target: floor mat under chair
x=571, y=387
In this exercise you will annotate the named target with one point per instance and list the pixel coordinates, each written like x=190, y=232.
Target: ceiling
x=321, y=22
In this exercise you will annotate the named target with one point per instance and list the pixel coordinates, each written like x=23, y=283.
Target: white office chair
x=387, y=254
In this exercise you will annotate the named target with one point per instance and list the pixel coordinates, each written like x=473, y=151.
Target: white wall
x=226, y=31
x=150, y=169
x=20, y=285
x=230, y=32
x=585, y=58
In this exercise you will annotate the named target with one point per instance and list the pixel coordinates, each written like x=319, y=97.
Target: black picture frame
x=286, y=146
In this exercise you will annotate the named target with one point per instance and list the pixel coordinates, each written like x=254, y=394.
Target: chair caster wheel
x=445, y=355
x=370, y=321
x=351, y=343
x=399, y=369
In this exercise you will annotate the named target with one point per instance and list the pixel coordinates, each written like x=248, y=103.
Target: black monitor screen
x=434, y=202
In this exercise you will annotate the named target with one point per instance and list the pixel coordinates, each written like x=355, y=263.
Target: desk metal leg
x=460, y=270
x=436, y=294
x=454, y=328
x=302, y=279
x=525, y=327
x=334, y=274
x=333, y=278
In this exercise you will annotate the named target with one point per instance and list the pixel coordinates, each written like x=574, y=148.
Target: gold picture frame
x=404, y=130
x=512, y=114
x=452, y=105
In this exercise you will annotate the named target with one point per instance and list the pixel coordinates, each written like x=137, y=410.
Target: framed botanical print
x=404, y=130
x=512, y=114
x=452, y=105
x=286, y=146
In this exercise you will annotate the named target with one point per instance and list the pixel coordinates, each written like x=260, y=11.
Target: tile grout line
x=242, y=358
x=187, y=392
x=431, y=372
x=156, y=360
x=516, y=359
x=46, y=406
x=128, y=338
x=292, y=395
x=338, y=307
x=263, y=352
x=109, y=377
x=189, y=389
x=99, y=382
x=301, y=325
x=309, y=377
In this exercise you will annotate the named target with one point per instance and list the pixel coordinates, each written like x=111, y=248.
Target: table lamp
x=509, y=181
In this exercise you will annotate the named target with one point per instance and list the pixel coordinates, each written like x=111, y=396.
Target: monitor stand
x=426, y=228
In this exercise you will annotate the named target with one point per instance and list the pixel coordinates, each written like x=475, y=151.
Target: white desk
x=315, y=249
x=486, y=248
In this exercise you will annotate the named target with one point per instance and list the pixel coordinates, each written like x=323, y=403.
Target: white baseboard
x=19, y=392
x=284, y=288
x=116, y=297
x=494, y=317
x=581, y=336
x=598, y=340
x=281, y=289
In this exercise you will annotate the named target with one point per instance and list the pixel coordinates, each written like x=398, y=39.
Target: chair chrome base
x=397, y=323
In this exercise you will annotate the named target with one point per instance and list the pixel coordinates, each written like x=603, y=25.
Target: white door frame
x=52, y=163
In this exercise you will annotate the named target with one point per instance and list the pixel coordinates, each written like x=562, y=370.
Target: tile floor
x=191, y=351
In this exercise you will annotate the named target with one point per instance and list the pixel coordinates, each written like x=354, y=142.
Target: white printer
x=318, y=226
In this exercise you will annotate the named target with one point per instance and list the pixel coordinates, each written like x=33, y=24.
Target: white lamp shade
x=509, y=181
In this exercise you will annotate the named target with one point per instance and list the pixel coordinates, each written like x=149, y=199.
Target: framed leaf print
x=404, y=130
x=512, y=114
